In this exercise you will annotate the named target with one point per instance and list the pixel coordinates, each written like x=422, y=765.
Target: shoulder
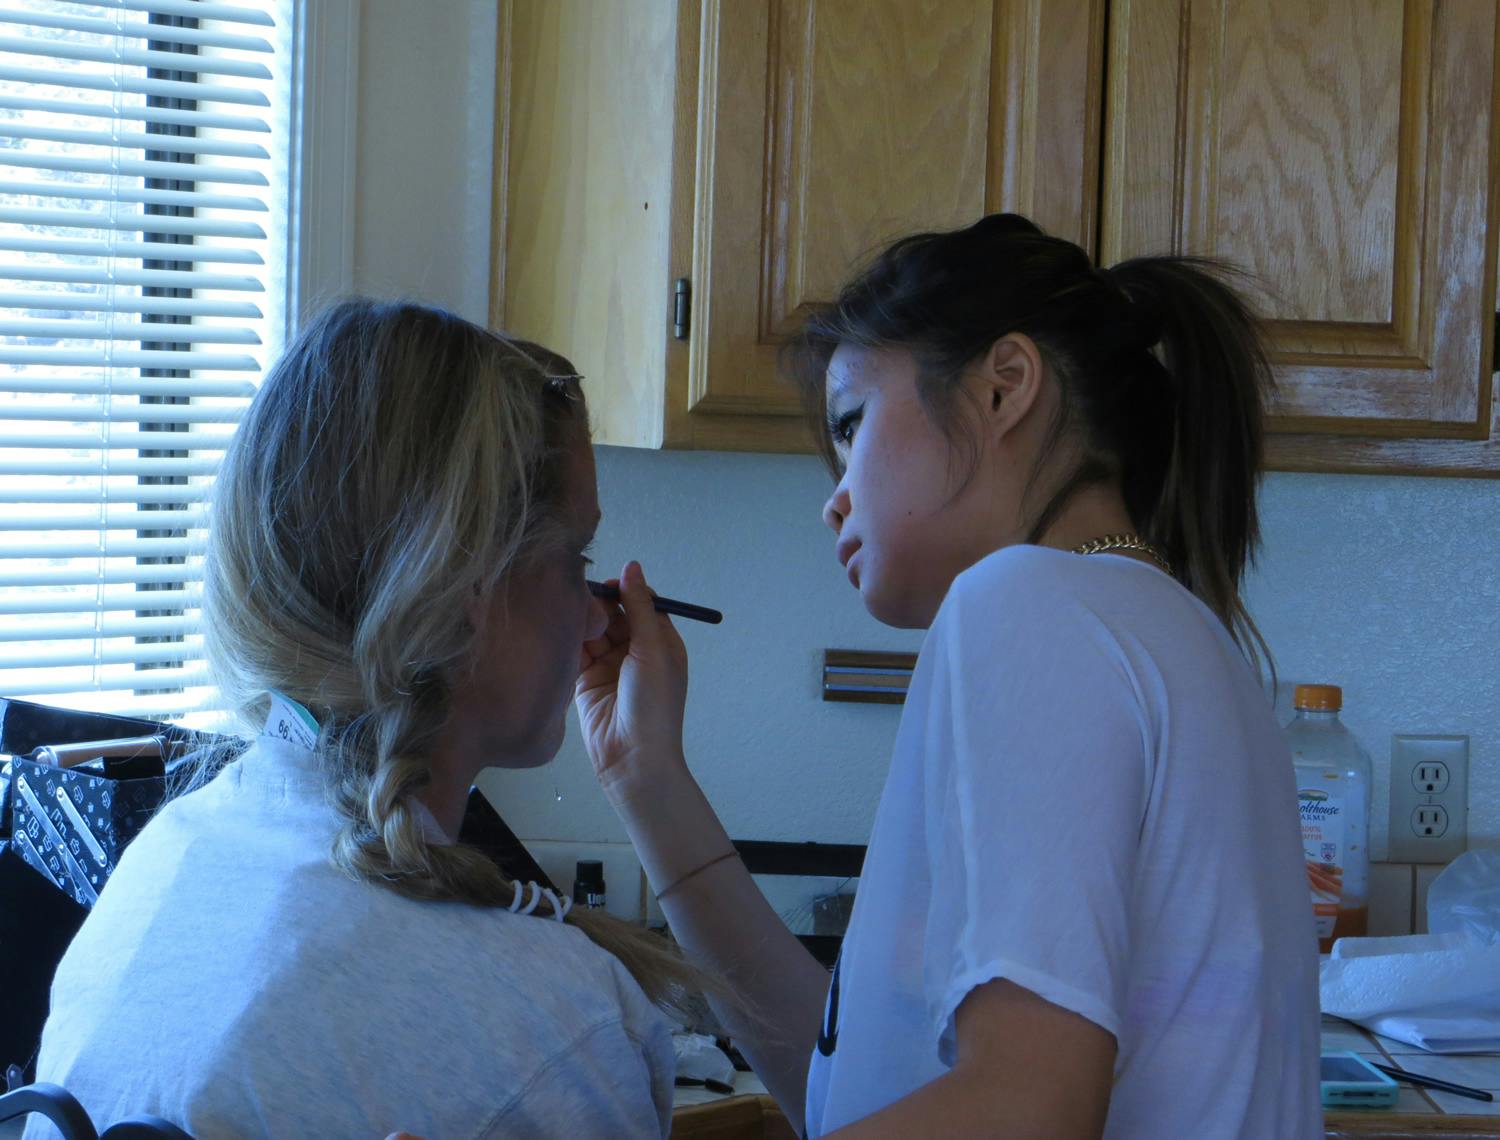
x=1027, y=628
x=1042, y=575
x=1017, y=593
x=554, y=979
x=1035, y=590
x=1011, y=565
x=1019, y=580
x=591, y=983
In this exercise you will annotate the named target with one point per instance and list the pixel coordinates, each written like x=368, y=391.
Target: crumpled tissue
x=1438, y=991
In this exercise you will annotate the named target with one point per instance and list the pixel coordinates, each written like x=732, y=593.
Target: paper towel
x=1439, y=992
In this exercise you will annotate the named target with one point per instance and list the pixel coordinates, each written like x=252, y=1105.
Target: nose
x=836, y=510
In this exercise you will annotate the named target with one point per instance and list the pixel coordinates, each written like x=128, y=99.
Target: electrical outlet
x=1431, y=779
x=1429, y=798
x=1430, y=822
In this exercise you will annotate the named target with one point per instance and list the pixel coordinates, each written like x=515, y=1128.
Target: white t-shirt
x=231, y=980
x=1089, y=797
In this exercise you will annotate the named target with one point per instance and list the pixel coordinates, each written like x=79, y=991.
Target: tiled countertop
x=745, y=1084
x=1480, y=1071
x=1418, y=1112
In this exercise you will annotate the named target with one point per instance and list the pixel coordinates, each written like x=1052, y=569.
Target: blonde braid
x=382, y=841
x=397, y=462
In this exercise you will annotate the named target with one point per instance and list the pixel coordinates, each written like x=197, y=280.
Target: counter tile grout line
x=1390, y=1060
x=1411, y=907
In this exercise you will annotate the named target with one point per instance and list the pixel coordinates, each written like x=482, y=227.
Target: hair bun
x=1003, y=225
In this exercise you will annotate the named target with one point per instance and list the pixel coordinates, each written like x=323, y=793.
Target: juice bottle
x=1333, y=792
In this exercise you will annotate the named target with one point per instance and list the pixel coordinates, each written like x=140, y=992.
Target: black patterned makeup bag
x=72, y=823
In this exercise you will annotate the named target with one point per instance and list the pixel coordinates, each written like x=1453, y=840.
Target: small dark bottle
x=588, y=884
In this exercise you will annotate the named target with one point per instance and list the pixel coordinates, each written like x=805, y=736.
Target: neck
x=447, y=796
x=1092, y=512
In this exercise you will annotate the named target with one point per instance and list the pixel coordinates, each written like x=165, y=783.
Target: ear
x=1008, y=383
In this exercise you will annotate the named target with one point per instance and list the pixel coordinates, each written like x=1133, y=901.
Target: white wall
x=426, y=113
x=1390, y=587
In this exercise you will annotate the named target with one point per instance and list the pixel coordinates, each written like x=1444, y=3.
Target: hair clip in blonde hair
x=564, y=385
x=560, y=907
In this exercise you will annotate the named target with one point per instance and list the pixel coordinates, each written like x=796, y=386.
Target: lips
x=846, y=551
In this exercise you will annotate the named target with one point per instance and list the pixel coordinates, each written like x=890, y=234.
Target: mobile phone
x=1349, y=1081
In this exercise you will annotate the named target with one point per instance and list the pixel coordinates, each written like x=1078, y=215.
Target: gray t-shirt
x=233, y=981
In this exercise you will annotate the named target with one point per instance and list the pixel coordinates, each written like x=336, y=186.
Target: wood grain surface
x=1343, y=153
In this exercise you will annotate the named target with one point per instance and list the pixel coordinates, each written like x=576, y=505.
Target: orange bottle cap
x=1319, y=698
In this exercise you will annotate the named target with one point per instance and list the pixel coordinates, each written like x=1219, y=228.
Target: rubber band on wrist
x=661, y=894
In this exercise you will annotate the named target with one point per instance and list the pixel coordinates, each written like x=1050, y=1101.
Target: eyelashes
x=841, y=427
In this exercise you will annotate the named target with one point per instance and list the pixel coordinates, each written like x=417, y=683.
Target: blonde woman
x=395, y=589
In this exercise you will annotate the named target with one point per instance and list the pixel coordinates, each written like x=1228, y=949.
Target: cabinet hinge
x=1495, y=348
x=682, y=308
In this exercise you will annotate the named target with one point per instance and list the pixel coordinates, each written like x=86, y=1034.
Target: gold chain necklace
x=1124, y=542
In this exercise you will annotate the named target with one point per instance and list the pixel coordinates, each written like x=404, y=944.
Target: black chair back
x=53, y=1102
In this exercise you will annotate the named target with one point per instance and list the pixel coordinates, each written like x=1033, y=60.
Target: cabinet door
x=1344, y=152
x=826, y=128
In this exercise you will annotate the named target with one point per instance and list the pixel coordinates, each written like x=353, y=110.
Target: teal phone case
x=1349, y=1081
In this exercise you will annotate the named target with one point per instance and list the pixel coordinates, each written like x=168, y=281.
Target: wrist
x=683, y=880
x=672, y=827
x=633, y=787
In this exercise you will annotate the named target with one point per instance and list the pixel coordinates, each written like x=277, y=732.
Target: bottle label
x=1323, y=819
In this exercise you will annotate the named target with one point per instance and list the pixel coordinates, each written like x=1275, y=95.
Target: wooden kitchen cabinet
x=759, y=149
x=1345, y=152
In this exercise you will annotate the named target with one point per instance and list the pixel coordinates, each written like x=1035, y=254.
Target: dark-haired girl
x=1083, y=910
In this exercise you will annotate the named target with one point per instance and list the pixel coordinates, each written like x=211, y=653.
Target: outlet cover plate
x=1408, y=753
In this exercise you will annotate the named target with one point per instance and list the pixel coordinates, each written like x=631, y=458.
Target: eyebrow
x=841, y=384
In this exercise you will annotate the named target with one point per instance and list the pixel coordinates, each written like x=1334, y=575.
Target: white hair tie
x=560, y=907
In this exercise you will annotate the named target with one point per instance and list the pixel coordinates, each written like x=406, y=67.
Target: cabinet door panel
x=860, y=159
x=828, y=127
x=1343, y=152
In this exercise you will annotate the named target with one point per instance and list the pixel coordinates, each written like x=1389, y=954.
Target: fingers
x=644, y=625
x=600, y=658
x=634, y=629
x=602, y=668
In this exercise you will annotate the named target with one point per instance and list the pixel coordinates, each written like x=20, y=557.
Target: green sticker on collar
x=290, y=722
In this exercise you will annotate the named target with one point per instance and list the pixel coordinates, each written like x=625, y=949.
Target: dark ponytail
x=1196, y=497
x=1162, y=375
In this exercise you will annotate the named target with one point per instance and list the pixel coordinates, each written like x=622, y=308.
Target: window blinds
x=143, y=230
